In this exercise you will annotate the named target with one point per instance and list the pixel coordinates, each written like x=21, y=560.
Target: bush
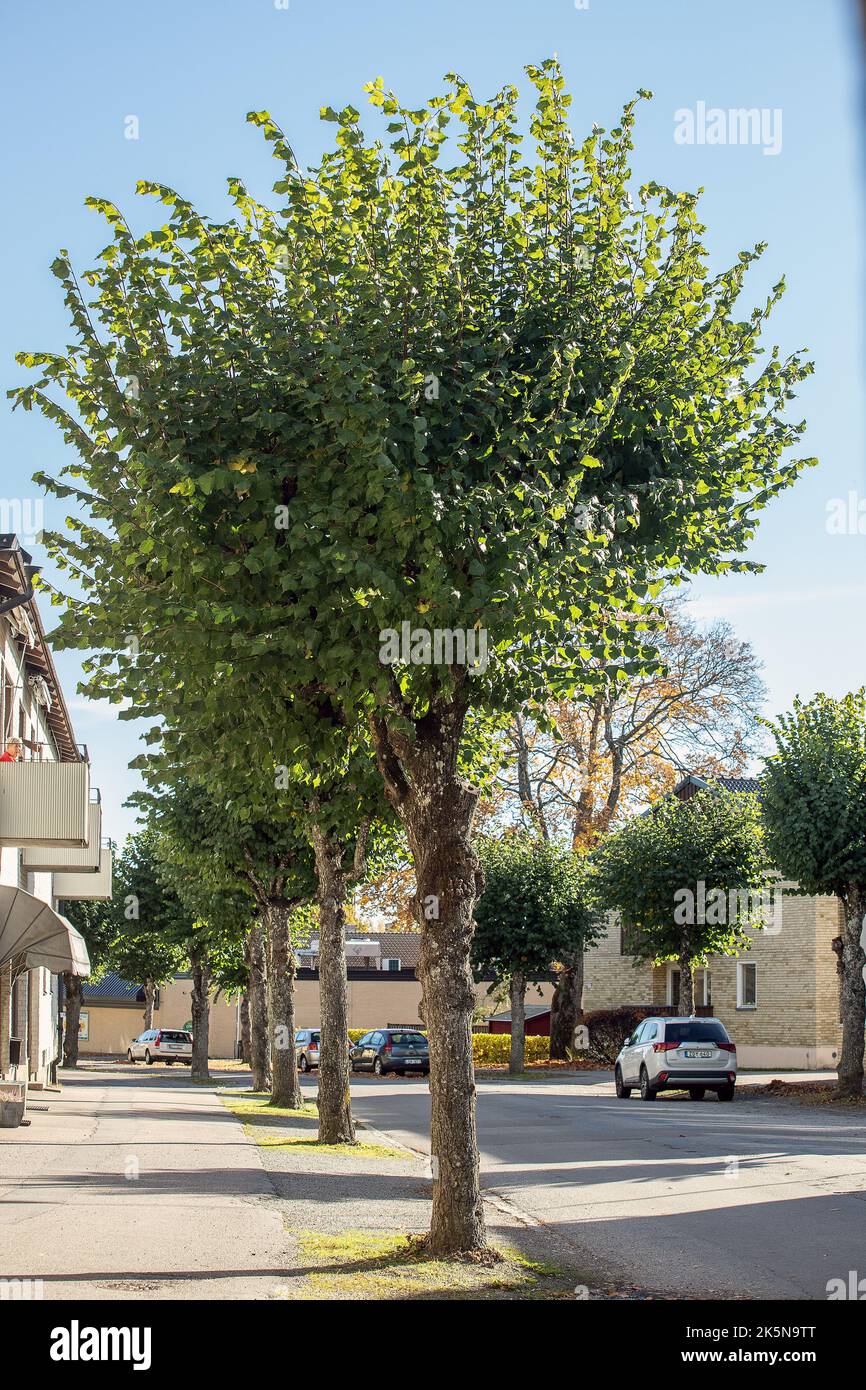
x=608, y=1029
x=489, y=1048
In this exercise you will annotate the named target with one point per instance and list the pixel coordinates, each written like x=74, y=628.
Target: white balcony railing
x=42, y=859
x=45, y=804
x=76, y=887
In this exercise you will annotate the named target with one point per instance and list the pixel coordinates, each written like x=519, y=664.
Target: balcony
x=70, y=861
x=82, y=887
x=45, y=804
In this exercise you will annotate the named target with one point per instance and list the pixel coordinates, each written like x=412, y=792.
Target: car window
x=365, y=1041
x=301, y=1035
x=377, y=1040
x=703, y=1030
x=651, y=1031
x=314, y=1037
x=637, y=1035
x=176, y=1037
x=408, y=1038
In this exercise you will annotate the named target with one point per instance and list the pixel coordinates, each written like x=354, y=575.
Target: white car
x=160, y=1045
x=677, y=1054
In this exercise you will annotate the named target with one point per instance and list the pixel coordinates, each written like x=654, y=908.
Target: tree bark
x=73, y=991
x=437, y=809
x=285, y=1084
x=335, y=1109
x=246, y=1052
x=852, y=993
x=254, y=949
x=566, y=1009
x=149, y=996
x=517, y=1053
x=687, y=986
x=200, y=1006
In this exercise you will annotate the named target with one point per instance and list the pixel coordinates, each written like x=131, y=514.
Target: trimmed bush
x=491, y=1048
x=608, y=1029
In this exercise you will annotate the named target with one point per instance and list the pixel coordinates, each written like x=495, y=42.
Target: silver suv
x=677, y=1054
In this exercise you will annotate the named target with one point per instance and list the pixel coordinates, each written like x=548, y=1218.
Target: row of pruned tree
x=456, y=380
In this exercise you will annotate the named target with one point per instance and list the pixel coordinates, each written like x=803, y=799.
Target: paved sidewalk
x=138, y=1184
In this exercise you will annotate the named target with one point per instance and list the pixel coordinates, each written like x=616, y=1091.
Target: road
x=760, y=1198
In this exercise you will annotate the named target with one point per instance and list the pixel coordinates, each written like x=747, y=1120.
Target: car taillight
x=728, y=1047
x=158, y=1040
x=389, y=1046
x=664, y=1046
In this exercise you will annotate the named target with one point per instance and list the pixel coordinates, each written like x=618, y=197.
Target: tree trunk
x=246, y=1052
x=517, y=1053
x=687, y=987
x=852, y=994
x=285, y=1085
x=335, y=1107
x=254, y=949
x=566, y=1009
x=200, y=1006
x=73, y=992
x=437, y=809
x=149, y=996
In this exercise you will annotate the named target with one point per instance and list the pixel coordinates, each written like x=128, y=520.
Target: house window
x=747, y=985
x=390, y=963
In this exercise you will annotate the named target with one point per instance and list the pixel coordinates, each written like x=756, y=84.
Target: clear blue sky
x=189, y=70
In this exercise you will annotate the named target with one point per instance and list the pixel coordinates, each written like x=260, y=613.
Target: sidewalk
x=133, y=1182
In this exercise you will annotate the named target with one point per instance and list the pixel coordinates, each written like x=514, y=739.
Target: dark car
x=391, y=1049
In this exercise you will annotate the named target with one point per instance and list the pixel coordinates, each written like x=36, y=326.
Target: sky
x=178, y=76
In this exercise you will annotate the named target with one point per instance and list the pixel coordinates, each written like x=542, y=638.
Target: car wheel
x=726, y=1092
x=697, y=1092
x=623, y=1092
x=303, y=1062
x=129, y=1056
x=169, y=1061
x=378, y=1067
x=148, y=1058
x=647, y=1092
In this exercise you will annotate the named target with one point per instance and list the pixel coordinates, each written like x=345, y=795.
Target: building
x=779, y=1000
x=50, y=833
x=537, y=1021
x=383, y=990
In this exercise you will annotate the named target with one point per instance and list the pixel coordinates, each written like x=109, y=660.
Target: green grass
x=383, y=1265
x=259, y=1117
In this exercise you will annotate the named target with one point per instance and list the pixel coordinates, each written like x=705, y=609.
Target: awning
x=34, y=934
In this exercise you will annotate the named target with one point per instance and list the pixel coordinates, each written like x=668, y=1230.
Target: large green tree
x=421, y=438
x=538, y=906
x=814, y=809
x=151, y=921
x=689, y=878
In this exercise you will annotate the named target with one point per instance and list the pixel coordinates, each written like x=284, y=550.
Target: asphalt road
x=759, y=1198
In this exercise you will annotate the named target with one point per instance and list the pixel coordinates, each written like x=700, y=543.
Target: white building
x=50, y=833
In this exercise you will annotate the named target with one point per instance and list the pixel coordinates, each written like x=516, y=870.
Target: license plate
x=688, y=1053
x=413, y=1061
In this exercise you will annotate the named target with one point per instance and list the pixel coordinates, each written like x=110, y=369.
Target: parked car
x=161, y=1045
x=677, y=1054
x=391, y=1049
x=307, y=1048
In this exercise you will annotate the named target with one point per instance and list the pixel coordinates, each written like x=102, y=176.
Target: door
x=632, y=1056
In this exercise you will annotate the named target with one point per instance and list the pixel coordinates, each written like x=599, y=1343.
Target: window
x=390, y=963
x=747, y=985
x=707, y=1030
x=651, y=1032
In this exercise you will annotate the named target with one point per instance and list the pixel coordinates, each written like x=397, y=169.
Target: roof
x=404, y=946
x=111, y=989
x=529, y=1011
x=691, y=783
x=16, y=576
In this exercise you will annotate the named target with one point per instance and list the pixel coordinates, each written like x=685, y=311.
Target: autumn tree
x=813, y=796
x=442, y=385
x=591, y=762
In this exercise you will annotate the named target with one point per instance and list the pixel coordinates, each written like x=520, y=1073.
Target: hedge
x=490, y=1048
x=608, y=1029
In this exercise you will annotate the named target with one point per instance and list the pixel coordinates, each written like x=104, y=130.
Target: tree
x=689, y=879
x=151, y=921
x=504, y=398
x=97, y=924
x=537, y=906
x=813, y=797
x=619, y=748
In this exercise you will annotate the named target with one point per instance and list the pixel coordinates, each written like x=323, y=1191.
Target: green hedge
x=489, y=1048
